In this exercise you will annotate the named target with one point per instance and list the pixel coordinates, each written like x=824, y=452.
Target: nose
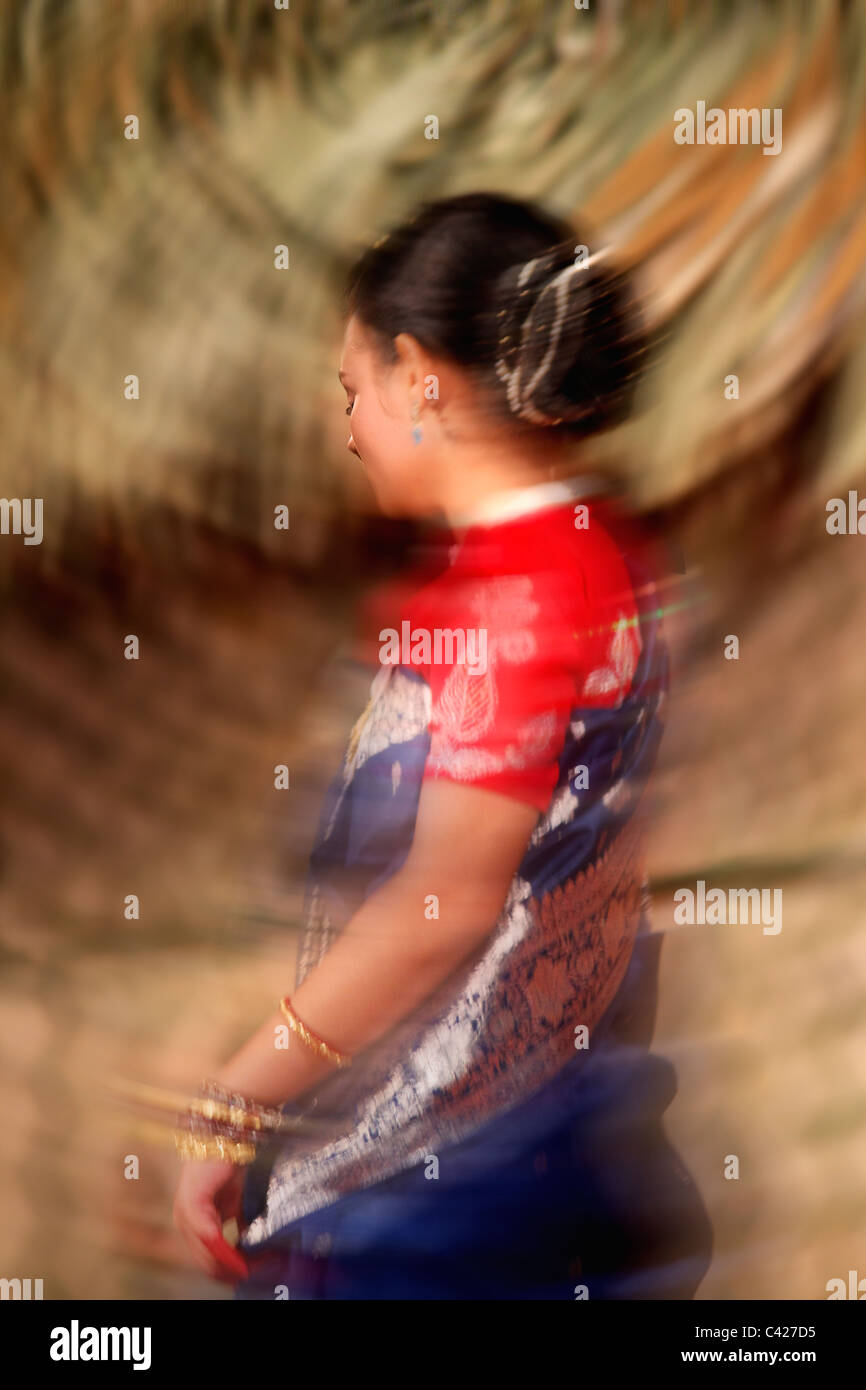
x=352, y=447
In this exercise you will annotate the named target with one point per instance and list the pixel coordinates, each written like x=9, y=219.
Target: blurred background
x=260, y=127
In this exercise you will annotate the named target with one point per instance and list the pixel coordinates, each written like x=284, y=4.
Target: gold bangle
x=225, y=1114
x=340, y=1059
x=222, y=1106
x=228, y=1150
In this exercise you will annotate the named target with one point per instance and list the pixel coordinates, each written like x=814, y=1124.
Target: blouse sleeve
x=499, y=716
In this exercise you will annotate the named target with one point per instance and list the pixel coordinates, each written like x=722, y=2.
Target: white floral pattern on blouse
x=465, y=710
x=622, y=658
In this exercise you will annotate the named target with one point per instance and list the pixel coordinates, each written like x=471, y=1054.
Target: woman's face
x=379, y=405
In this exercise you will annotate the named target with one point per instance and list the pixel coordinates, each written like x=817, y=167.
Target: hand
x=209, y=1193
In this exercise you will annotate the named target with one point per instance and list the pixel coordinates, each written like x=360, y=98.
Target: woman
x=476, y=984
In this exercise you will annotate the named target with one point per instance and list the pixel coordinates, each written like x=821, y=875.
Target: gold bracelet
x=340, y=1059
x=228, y=1150
x=225, y=1114
x=216, y=1103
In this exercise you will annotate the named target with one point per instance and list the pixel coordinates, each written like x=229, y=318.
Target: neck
x=475, y=475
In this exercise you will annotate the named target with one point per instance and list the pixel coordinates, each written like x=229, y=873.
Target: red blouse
x=532, y=617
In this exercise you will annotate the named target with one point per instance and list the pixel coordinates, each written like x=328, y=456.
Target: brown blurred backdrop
x=154, y=256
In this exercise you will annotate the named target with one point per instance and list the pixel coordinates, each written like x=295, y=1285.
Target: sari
x=505, y=1140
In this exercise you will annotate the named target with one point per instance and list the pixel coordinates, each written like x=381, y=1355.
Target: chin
x=389, y=504
x=388, y=507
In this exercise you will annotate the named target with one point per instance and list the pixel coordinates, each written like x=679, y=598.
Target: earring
x=416, y=430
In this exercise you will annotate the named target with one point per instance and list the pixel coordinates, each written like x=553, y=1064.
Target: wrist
x=225, y=1126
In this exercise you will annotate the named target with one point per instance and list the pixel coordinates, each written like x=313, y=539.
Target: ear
x=414, y=359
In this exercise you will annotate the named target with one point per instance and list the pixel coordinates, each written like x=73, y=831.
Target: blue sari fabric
x=575, y=1190
x=575, y=1193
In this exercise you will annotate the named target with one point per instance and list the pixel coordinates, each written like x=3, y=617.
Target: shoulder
x=502, y=678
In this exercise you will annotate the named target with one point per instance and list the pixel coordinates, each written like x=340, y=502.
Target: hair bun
x=568, y=338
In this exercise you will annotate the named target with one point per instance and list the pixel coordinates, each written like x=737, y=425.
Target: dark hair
x=496, y=285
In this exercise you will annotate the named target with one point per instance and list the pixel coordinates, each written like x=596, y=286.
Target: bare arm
x=467, y=845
